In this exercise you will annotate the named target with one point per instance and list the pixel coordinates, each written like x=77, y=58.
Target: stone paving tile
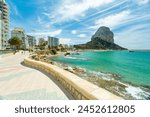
x=18, y=82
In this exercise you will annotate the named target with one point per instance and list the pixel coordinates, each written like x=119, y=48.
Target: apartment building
x=20, y=33
x=31, y=41
x=53, y=42
x=4, y=23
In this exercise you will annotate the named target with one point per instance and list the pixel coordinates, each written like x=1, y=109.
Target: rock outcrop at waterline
x=102, y=39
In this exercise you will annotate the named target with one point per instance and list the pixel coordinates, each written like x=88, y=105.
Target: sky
x=75, y=21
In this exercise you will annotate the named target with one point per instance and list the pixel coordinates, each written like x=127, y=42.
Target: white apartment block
x=20, y=33
x=53, y=42
x=31, y=41
x=4, y=23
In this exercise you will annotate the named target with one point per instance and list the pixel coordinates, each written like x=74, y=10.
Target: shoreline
x=77, y=73
x=98, y=50
x=125, y=87
x=56, y=64
x=82, y=89
x=96, y=81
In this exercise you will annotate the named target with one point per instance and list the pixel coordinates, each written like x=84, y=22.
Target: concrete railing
x=79, y=88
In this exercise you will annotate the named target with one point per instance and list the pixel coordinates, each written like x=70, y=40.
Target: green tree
x=62, y=48
x=15, y=42
x=42, y=43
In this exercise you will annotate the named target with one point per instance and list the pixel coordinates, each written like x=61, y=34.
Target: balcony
x=6, y=26
x=5, y=19
x=5, y=6
x=5, y=14
x=5, y=10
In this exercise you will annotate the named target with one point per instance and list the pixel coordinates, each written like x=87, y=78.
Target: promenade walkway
x=18, y=82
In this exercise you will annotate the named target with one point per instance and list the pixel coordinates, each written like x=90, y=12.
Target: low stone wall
x=79, y=88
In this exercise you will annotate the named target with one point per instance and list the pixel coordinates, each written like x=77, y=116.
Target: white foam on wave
x=101, y=75
x=137, y=92
x=76, y=58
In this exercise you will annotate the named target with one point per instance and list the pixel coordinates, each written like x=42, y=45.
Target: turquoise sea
x=132, y=68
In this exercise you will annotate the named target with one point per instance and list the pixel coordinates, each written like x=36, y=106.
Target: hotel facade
x=4, y=25
x=31, y=41
x=0, y=30
x=53, y=42
x=20, y=33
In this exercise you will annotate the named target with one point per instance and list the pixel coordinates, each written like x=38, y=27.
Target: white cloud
x=135, y=37
x=112, y=20
x=73, y=9
x=44, y=24
x=46, y=14
x=14, y=9
x=47, y=26
x=74, y=32
x=82, y=35
x=39, y=20
x=65, y=41
x=142, y=2
x=45, y=34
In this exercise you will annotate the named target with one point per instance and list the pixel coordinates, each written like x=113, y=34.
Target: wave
x=76, y=58
x=124, y=89
x=137, y=92
x=129, y=90
x=105, y=76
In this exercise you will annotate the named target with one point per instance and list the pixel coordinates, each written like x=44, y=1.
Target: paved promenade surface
x=18, y=82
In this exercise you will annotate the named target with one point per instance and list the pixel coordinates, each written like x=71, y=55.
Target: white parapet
x=79, y=88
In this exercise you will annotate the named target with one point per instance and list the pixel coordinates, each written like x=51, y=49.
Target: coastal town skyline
x=75, y=21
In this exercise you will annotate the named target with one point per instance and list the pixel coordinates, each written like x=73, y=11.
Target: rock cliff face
x=105, y=34
x=102, y=39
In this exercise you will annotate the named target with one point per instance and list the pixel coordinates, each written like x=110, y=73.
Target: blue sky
x=75, y=21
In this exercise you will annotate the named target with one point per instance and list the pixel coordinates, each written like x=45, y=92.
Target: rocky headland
x=102, y=39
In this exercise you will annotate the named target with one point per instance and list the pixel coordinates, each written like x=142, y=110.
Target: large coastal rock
x=105, y=34
x=102, y=39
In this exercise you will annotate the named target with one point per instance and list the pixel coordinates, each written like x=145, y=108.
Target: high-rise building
x=20, y=33
x=53, y=42
x=31, y=41
x=0, y=30
x=4, y=12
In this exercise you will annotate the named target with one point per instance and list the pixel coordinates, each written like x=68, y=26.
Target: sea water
x=133, y=68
